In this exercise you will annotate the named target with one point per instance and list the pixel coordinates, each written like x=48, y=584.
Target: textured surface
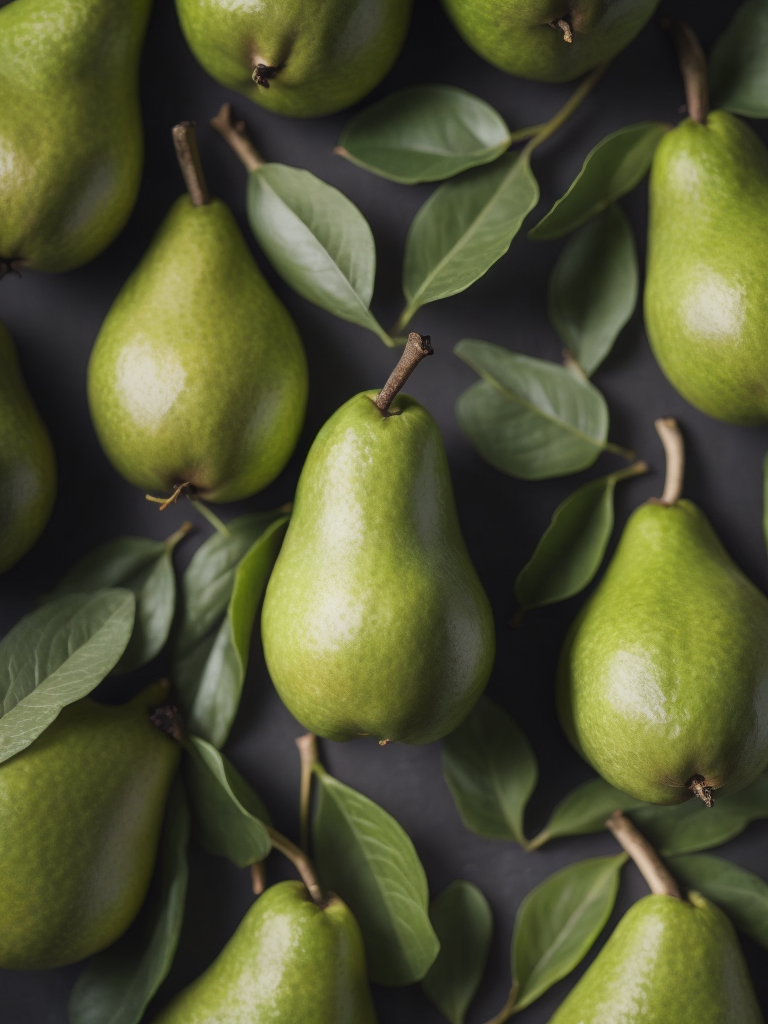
x=288, y=961
x=706, y=298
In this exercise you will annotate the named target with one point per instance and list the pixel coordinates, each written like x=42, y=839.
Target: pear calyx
x=185, y=141
x=263, y=74
x=563, y=26
x=652, y=868
x=167, y=718
x=234, y=134
x=674, y=451
x=698, y=786
x=417, y=348
x=693, y=66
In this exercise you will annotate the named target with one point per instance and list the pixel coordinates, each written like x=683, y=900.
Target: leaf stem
x=636, y=469
x=417, y=347
x=693, y=66
x=538, y=841
x=651, y=867
x=616, y=449
x=188, y=155
x=307, y=745
x=301, y=862
x=212, y=518
x=235, y=135
x=523, y=134
x=180, y=534
x=674, y=451
x=507, y=1009
x=574, y=102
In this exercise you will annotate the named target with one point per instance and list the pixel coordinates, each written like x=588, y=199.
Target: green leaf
x=528, y=417
x=613, y=168
x=558, y=923
x=573, y=545
x=584, y=810
x=55, y=656
x=365, y=856
x=222, y=590
x=738, y=68
x=118, y=984
x=593, y=288
x=424, y=133
x=317, y=241
x=491, y=771
x=230, y=819
x=463, y=923
x=464, y=228
x=740, y=893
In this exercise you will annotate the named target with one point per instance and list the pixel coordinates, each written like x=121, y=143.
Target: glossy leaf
x=365, y=856
x=463, y=923
x=593, y=288
x=738, y=66
x=118, y=984
x=573, y=546
x=585, y=810
x=230, y=820
x=530, y=418
x=222, y=590
x=559, y=921
x=614, y=167
x=464, y=228
x=424, y=133
x=740, y=893
x=491, y=771
x=316, y=239
x=55, y=656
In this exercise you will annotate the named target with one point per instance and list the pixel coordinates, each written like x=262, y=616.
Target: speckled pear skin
x=669, y=960
x=664, y=673
x=71, y=142
x=517, y=35
x=27, y=462
x=706, y=292
x=374, y=620
x=198, y=373
x=289, y=962
x=328, y=54
x=80, y=817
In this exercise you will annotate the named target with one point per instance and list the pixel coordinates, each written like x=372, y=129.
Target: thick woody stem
x=307, y=745
x=674, y=451
x=693, y=66
x=187, y=153
x=234, y=134
x=301, y=862
x=650, y=865
x=416, y=348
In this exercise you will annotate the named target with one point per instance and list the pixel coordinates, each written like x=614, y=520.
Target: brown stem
x=416, y=348
x=301, y=862
x=165, y=502
x=180, y=534
x=698, y=786
x=674, y=451
x=651, y=866
x=693, y=65
x=185, y=141
x=307, y=745
x=236, y=137
x=564, y=27
x=258, y=878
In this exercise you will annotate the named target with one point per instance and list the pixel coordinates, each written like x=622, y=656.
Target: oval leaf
x=316, y=239
x=55, y=656
x=528, y=417
x=222, y=590
x=738, y=66
x=573, y=546
x=464, y=228
x=230, y=820
x=491, y=771
x=740, y=893
x=463, y=923
x=424, y=133
x=118, y=984
x=614, y=167
x=365, y=856
x=586, y=809
x=558, y=923
x=593, y=288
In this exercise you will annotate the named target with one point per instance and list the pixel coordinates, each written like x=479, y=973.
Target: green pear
x=80, y=816
x=289, y=961
x=27, y=462
x=548, y=40
x=198, y=378
x=374, y=620
x=71, y=146
x=294, y=59
x=663, y=678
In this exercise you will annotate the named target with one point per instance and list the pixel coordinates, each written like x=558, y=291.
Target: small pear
x=291, y=961
x=198, y=379
x=295, y=59
x=663, y=678
x=374, y=620
x=71, y=145
x=548, y=40
x=27, y=462
x=80, y=816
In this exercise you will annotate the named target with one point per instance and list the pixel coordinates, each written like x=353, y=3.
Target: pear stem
x=235, y=135
x=650, y=865
x=508, y=1009
x=674, y=451
x=307, y=745
x=188, y=155
x=180, y=534
x=698, y=786
x=165, y=502
x=258, y=878
x=416, y=348
x=693, y=66
x=211, y=517
x=563, y=27
x=301, y=862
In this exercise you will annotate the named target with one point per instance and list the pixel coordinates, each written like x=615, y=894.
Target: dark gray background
x=55, y=321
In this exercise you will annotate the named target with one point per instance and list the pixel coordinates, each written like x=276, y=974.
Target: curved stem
x=568, y=108
x=674, y=451
x=258, y=878
x=650, y=865
x=625, y=453
x=180, y=534
x=507, y=1009
x=301, y=862
x=212, y=518
x=185, y=141
x=693, y=66
x=307, y=745
x=235, y=135
x=165, y=502
x=416, y=348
